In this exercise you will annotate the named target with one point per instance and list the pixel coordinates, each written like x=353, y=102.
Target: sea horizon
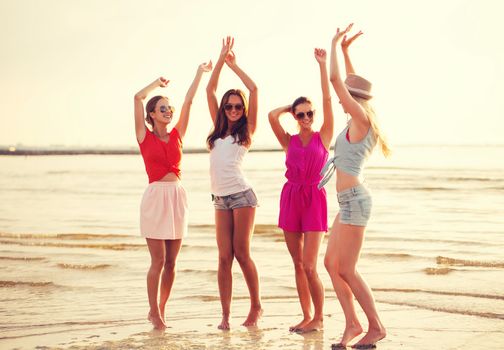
x=31, y=150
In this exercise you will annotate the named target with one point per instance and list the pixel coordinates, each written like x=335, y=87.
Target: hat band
x=360, y=92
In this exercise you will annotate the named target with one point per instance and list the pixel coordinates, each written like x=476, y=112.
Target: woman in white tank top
x=234, y=200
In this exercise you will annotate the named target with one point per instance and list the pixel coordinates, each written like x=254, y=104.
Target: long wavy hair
x=380, y=137
x=239, y=130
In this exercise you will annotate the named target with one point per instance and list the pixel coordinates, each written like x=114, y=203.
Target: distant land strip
x=63, y=152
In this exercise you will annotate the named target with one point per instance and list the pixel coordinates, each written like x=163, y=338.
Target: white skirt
x=163, y=211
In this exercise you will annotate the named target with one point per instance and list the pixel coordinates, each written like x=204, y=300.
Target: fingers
x=227, y=45
x=162, y=82
x=348, y=28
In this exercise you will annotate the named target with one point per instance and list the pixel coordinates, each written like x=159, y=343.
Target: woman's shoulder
x=174, y=132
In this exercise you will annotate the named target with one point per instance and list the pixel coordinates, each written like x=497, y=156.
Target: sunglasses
x=229, y=106
x=164, y=109
x=301, y=115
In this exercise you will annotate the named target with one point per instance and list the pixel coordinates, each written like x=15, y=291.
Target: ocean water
x=71, y=256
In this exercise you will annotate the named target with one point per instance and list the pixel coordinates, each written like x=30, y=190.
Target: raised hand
x=162, y=82
x=339, y=34
x=231, y=59
x=345, y=43
x=320, y=55
x=205, y=67
x=227, y=46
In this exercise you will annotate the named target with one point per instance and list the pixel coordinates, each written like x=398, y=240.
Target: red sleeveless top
x=161, y=158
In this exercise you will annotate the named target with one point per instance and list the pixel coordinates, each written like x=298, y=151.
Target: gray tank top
x=348, y=157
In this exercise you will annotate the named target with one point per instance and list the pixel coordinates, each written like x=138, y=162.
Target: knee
x=346, y=272
x=242, y=256
x=310, y=270
x=169, y=265
x=157, y=263
x=298, y=266
x=226, y=260
x=330, y=265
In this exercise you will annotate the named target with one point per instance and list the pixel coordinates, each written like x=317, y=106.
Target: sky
x=69, y=68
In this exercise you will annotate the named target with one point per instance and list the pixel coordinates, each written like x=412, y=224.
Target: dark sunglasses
x=229, y=106
x=301, y=115
x=164, y=109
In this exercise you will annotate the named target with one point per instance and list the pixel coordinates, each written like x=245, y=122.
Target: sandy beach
x=194, y=327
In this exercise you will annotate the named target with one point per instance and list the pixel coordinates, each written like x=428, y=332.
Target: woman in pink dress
x=303, y=207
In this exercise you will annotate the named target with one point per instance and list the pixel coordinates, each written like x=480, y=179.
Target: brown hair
x=150, y=107
x=239, y=130
x=298, y=101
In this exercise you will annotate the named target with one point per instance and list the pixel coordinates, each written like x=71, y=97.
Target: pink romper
x=303, y=207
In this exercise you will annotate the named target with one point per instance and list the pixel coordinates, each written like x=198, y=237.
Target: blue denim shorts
x=242, y=199
x=355, y=206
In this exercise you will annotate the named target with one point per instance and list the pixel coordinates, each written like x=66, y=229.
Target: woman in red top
x=163, y=220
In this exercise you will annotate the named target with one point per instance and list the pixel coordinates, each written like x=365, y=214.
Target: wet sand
x=192, y=327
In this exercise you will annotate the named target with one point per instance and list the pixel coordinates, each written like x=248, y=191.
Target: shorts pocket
x=251, y=197
x=365, y=207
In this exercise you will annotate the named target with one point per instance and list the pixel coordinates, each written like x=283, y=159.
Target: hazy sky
x=69, y=68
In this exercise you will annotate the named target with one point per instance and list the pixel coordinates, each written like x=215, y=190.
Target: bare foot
x=372, y=336
x=224, y=325
x=314, y=325
x=156, y=321
x=300, y=325
x=253, y=316
x=350, y=333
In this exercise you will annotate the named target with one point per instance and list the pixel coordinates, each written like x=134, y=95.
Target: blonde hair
x=371, y=114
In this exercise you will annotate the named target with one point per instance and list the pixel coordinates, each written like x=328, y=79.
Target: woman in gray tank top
x=352, y=148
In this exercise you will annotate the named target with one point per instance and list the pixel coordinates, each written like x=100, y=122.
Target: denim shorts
x=242, y=199
x=355, y=206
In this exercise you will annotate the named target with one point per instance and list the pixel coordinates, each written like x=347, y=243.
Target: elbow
x=210, y=90
x=253, y=89
x=138, y=97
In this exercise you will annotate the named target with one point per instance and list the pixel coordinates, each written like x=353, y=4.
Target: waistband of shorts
x=352, y=192
x=165, y=183
x=231, y=194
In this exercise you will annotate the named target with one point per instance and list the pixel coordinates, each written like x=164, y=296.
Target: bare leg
x=345, y=297
x=312, y=242
x=350, y=239
x=295, y=244
x=243, y=219
x=172, y=248
x=157, y=253
x=224, y=236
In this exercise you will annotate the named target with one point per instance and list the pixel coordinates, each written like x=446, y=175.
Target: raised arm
x=213, y=104
x=181, y=125
x=347, y=101
x=327, y=129
x=139, y=106
x=274, y=119
x=251, y=87
x=345, y=45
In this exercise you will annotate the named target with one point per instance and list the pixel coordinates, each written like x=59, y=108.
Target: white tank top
x=226, y=176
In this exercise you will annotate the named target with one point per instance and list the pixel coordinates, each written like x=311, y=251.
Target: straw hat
x=358, y=86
